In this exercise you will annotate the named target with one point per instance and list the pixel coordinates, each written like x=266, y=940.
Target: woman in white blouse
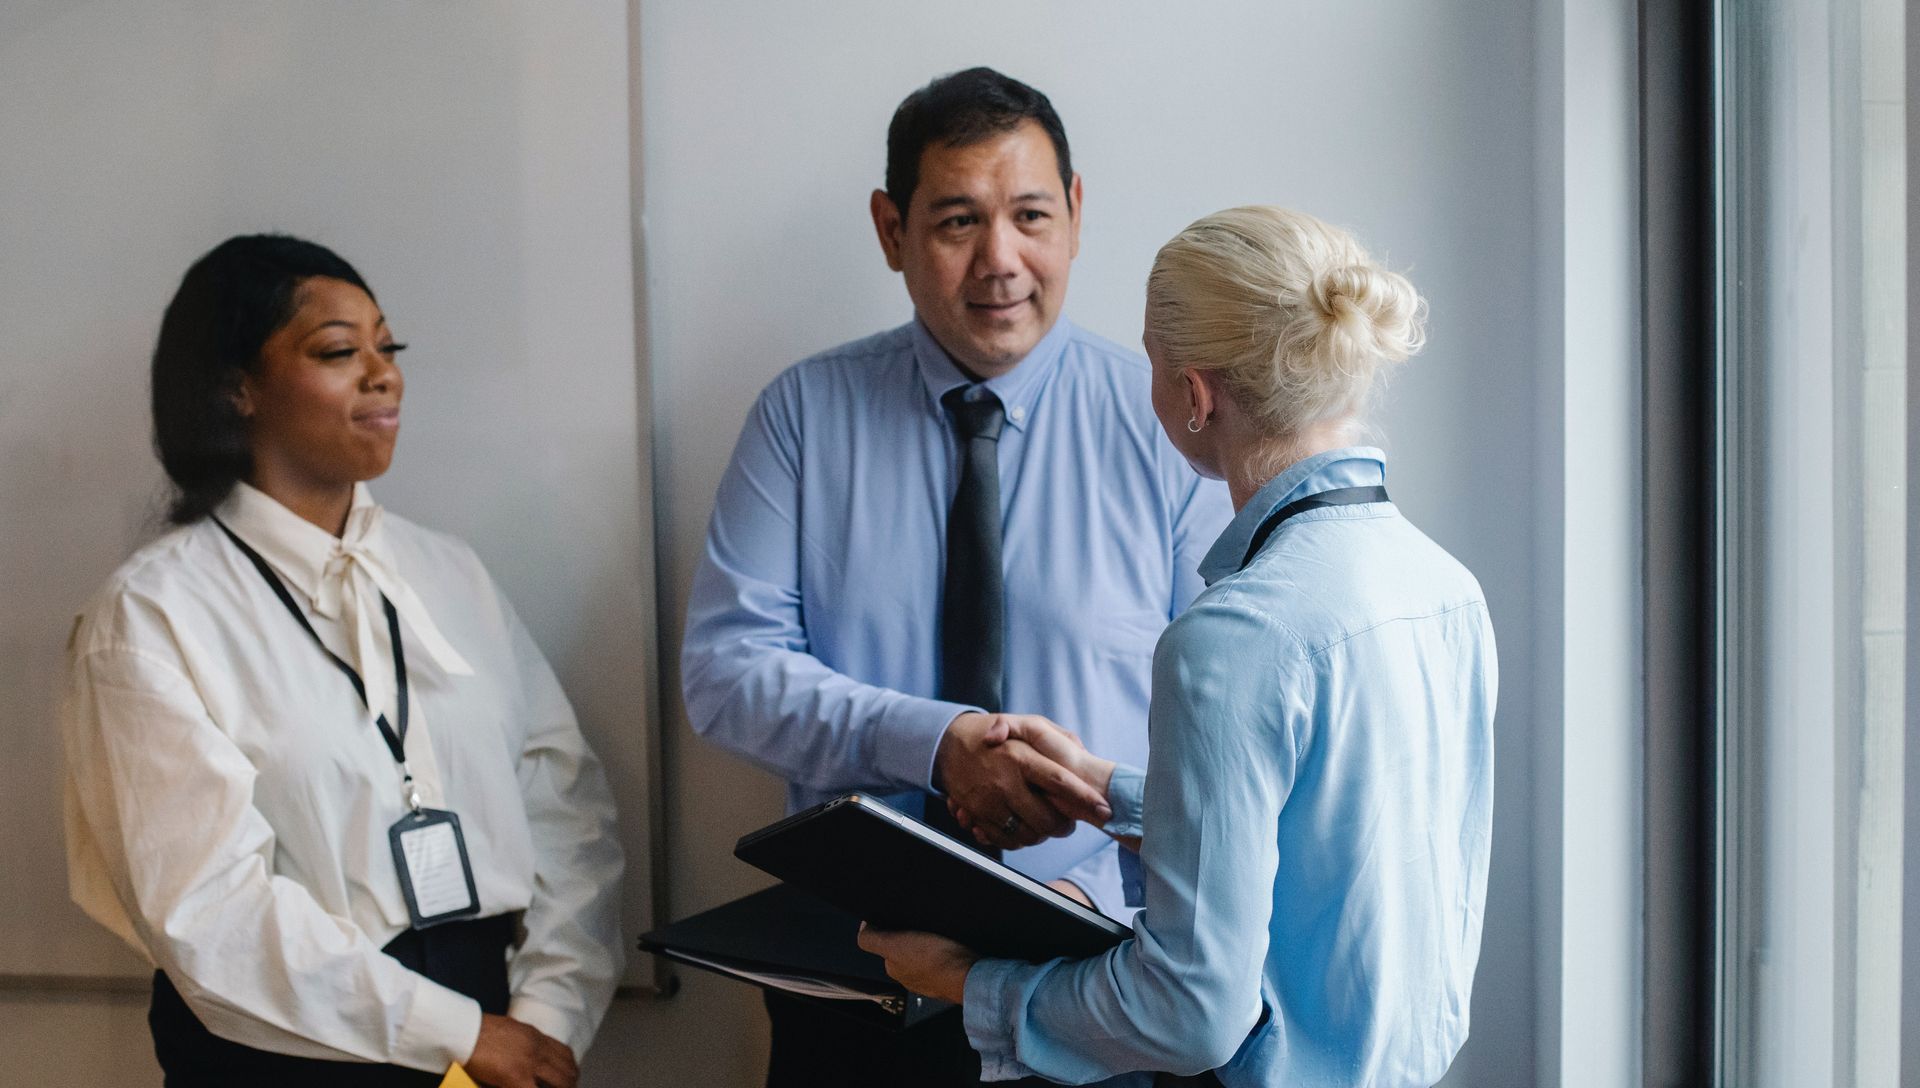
x=271, y=711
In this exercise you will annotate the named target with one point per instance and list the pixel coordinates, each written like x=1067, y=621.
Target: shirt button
x=1018, y=413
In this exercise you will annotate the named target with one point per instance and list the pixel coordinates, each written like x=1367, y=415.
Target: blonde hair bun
x=1291, y=311
x=1374, y=311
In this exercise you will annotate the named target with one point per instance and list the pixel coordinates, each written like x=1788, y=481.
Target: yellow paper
x=457, y=1078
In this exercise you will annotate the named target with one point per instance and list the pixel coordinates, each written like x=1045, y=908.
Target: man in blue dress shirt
x=814, y=632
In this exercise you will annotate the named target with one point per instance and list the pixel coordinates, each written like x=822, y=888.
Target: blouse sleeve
x=563, y=976
x=169, y=849
x=1182, y=994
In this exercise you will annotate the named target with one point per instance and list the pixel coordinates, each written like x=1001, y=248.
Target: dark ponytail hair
x=228, y=304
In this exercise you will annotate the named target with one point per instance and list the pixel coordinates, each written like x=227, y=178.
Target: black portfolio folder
x=894, y=871
x=854, y=858
x=784, y=939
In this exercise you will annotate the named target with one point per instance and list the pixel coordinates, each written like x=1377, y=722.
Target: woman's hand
x=922, y=962
x=510, y=1054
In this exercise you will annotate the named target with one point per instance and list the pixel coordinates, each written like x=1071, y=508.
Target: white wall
x=1419, y=123
x=1910, y=884
x=763, y=131
x=1587, y=696
x=473, y=161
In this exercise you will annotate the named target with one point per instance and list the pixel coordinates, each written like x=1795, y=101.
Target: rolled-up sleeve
x=1127, y=797
x=1182, y=994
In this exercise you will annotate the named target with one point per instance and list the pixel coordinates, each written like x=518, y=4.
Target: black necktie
x=973, y=606
x=973, y=602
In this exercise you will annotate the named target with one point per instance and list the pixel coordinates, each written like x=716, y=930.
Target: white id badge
x=435, y=875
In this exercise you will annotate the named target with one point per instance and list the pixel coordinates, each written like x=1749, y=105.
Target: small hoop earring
x=1194, y=425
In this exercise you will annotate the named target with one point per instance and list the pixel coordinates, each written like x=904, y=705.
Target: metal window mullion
x=1738, y=605
x=1678, y=325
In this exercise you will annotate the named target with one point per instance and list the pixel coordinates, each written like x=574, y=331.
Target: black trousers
x=815, y=1046
x=470, y=957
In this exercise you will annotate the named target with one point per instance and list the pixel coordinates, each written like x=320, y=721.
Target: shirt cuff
x=1126, y=795
x=547, y=1019
x=442, y=1027
x=904, y=750
x=996, y=991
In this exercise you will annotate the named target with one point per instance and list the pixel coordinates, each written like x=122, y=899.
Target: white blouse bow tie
x=355, y=576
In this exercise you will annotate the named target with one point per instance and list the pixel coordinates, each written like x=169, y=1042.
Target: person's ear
x=1201, y=396
x=240, y=395
x=888, y=225
x=1074, y=197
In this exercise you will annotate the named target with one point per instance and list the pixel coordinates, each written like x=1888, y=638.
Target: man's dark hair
x=228, y=304
x=960, y=109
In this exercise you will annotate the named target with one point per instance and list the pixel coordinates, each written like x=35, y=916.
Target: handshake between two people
x=1013, y=780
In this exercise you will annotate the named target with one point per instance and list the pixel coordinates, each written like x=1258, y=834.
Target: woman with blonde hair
x=1314, y=820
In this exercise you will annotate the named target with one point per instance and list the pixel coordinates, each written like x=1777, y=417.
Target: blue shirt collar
x=1017, y=389
x=1352, y=466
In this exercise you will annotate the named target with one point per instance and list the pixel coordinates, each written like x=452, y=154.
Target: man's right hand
x=1014, y=795
x=1059, y=747
x=510, y=1054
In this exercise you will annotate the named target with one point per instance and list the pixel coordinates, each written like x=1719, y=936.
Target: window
x=1810, y=519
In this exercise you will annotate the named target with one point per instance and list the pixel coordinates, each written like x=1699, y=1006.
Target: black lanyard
x=396, y=739
x=1339, y=496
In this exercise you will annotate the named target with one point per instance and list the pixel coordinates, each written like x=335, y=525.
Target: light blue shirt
x=1317, y=810
x=812, y=642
